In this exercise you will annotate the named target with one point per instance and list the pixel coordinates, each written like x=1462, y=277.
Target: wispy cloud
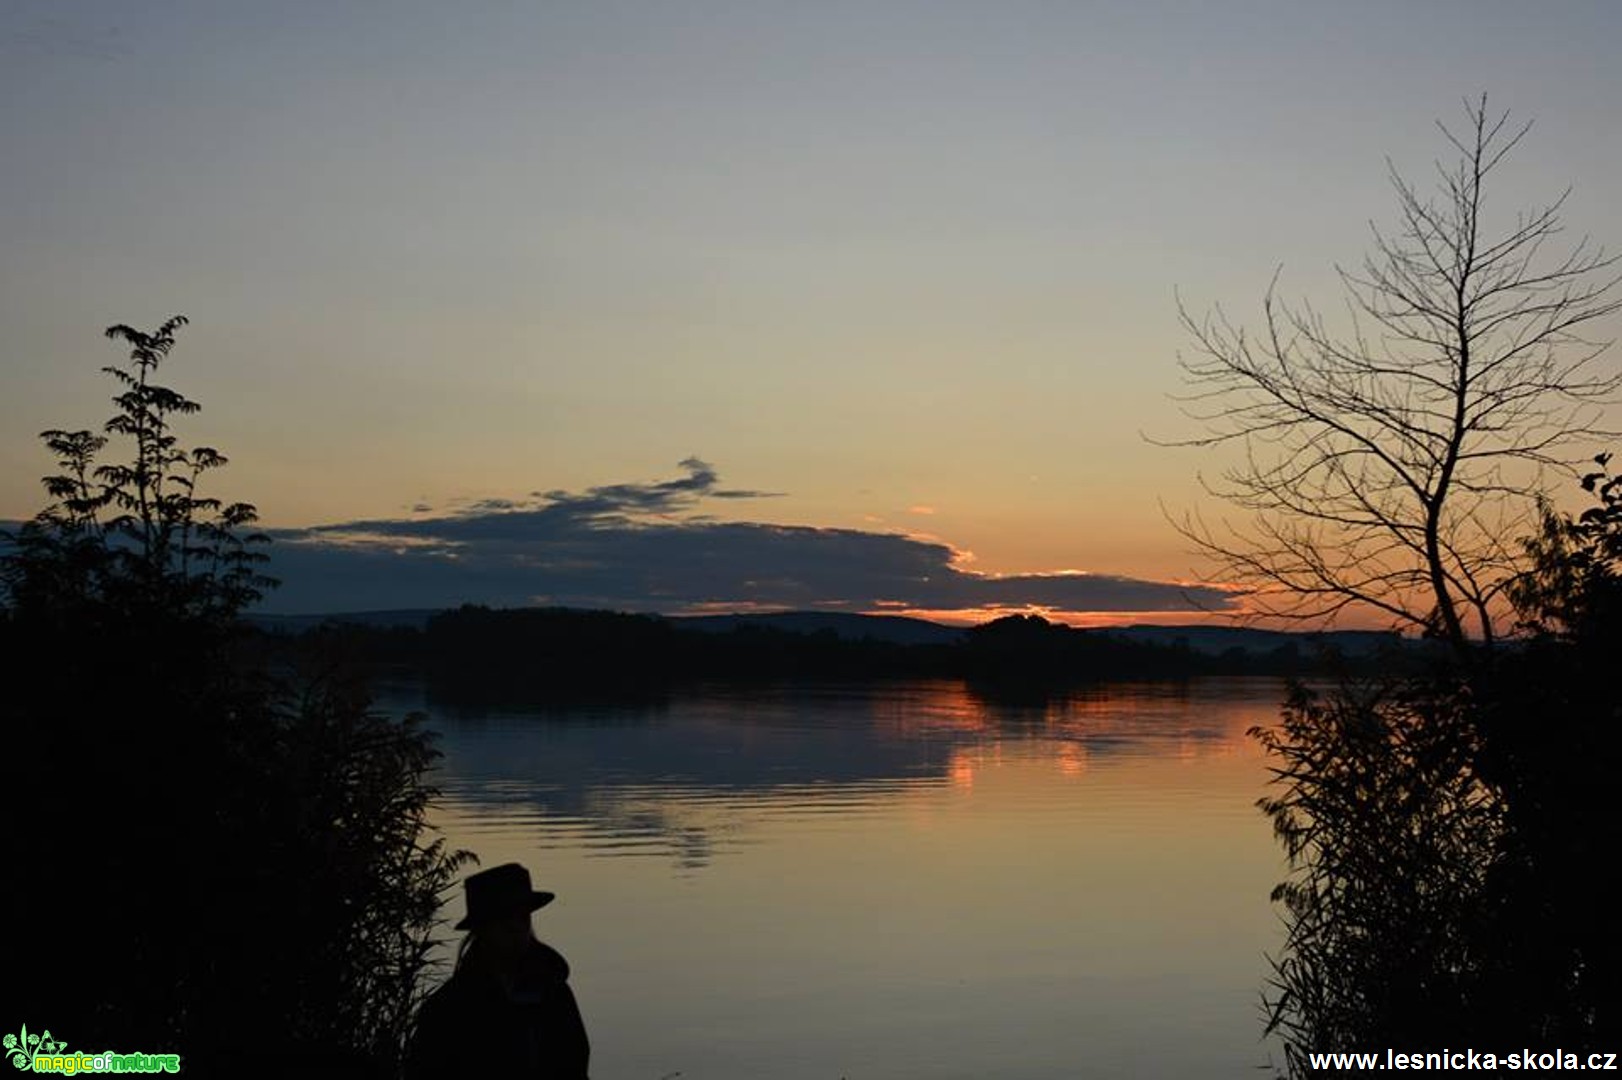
x=54, y=31
x=648, y=546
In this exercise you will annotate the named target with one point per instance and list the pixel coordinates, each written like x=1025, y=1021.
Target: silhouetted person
x=507, y=1010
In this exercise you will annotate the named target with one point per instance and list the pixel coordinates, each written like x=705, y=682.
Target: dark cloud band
x=643, y=547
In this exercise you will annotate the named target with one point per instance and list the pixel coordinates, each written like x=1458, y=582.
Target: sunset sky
x=702, y=306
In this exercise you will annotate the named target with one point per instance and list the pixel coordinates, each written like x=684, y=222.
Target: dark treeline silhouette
x=537, y=653
x=210, y=857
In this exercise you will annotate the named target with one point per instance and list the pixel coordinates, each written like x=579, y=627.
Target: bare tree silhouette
x=1393, y=467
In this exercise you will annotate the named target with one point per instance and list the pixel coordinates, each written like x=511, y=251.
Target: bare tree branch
x=1389, y=467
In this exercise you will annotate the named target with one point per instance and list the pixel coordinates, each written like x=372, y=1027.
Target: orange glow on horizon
x=1080, y=619
x=1094, y=620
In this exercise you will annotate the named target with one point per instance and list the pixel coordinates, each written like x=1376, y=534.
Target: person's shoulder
x=545, y=961
x=437, y=1016
x=453, y=996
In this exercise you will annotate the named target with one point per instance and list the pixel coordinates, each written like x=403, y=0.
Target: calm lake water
x=893, y=881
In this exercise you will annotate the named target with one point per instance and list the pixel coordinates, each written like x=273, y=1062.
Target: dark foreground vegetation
x=207, y=857
x=1453, y=833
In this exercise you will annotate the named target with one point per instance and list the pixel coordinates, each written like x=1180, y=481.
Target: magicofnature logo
x=41, y=1053
x=22, y=1047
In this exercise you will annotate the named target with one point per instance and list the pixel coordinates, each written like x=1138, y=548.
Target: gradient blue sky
x=901, y=270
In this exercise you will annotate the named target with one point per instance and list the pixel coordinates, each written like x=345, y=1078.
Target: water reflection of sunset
x=1087, y=868
x=792, y=752
x=961, y=770
x=1072, y=759
x=1110, y=714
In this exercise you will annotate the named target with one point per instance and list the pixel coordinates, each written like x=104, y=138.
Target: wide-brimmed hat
x=499, y=892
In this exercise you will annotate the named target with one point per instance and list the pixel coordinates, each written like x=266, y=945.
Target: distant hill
x=1216, y=640
x=893, y=629
x=1205, y=640
x=548, y=653
x=414, y=618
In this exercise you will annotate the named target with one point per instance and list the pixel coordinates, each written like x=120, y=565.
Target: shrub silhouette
x=1448, y=835
x=210, y=857
x=1390, y=831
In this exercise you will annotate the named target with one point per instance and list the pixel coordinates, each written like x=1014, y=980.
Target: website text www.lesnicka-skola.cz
x=1465, y=1060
